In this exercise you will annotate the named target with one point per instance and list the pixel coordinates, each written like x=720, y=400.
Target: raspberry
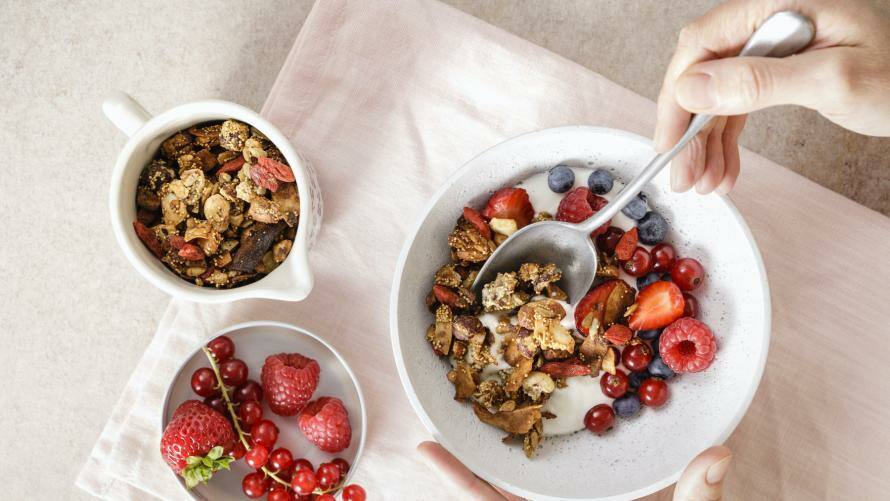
x=687, y=345
x=578, y=205
x=289, y=380
x=325, y=423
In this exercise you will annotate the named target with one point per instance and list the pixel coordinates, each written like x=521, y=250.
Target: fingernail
x=675, y=178
x=718, y=470
x=695, y=92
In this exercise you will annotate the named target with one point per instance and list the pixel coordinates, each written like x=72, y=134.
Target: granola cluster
x=509, y=374
x=218, y=205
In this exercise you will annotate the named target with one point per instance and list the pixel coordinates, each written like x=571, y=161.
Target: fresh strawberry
x=657, y=305
x=196, y=442
x=565, y=368
x=607, y=301
x=510, y=203
x=445, y=295
x=619, y=334
x=289, y=380
x=687, y=345
x=149, y=238
x=325, y=423
x=578, y=205
x=473, y=216
x=626, y=246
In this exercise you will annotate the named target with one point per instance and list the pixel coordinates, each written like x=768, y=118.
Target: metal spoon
x=569, y=245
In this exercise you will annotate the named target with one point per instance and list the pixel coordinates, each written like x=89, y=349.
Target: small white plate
x=254, y=341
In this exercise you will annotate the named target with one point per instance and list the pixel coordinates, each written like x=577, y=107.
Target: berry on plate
x=328, y=475
x=578, y=205
x=649, y=334
x=657, y=306
x=634, y=379
x=626, y=406
x=289, y=380
x=653, y=228
x=233, y=372
x=304, y=482
x=325, y=423
x=476, y=219
x=510, y=203
x=250, y=412
x=560, y=179
x=353, y=492
x=691, y=308
x=688, y=273
x=255, y=484
x=264, y=432
x=600, y=181
x=194, y=442
x=280, y=493
x=600, y=418
x=636, y=208
x=653, y=392
x=204, y=382
x=257, y=456
x=251, y=391
x=222, y=347
x=687, y=345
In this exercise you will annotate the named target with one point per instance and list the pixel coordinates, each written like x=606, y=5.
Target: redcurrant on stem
x=229, y=405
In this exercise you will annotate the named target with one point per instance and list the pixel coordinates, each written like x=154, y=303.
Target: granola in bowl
x=533, y=365
x=218, y=205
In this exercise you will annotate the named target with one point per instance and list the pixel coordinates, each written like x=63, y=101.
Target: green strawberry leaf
x=201, y=469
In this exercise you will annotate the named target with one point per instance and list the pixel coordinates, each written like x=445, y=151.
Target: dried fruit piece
x=149, y=238
x=476, y=219
x=263, y=177
x=517, y=421
x=232, y=165
x=566, y=368
x=278, y=170
x=619, y=334
x=462, y=379
x=606, y=303
x=186, y=250
x=625, y=248
x=255, y=241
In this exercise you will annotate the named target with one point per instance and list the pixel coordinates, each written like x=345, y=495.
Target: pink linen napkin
x=386, y=100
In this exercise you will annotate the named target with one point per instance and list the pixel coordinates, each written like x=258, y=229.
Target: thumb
x=739, y=85
x=702, y=480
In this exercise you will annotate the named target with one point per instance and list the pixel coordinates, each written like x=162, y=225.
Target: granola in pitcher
x=218, y=205
x=533, y=365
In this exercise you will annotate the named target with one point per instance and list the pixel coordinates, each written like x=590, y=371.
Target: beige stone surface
x=74, y=317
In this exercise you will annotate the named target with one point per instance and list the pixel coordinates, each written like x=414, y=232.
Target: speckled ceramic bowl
x=648, y=452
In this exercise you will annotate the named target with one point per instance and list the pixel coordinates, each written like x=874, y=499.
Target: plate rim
x=745, y=402
x=273, y=323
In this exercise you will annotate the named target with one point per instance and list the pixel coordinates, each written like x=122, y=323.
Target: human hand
x=844, y=75
x=702, y=480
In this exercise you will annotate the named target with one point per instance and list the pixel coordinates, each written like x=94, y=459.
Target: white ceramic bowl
x=254, y=341
x=648, y=452
x=290, y=281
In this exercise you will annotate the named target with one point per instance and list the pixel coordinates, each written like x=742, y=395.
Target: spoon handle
x=782, y=34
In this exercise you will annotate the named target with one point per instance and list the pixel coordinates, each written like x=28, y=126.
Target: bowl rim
x=195, y=112
x=477, y=468
x=284, y=325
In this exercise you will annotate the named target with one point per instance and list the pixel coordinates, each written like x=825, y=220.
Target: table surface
x=70, y=343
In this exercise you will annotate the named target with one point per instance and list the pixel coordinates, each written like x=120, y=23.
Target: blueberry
x=635, y=378
x=636, y=208
x=627, y=405
x=650, y=334
x=652, y=228
x=600, y=181
x=561, y=179
x=658, y=368
x=647, y=279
